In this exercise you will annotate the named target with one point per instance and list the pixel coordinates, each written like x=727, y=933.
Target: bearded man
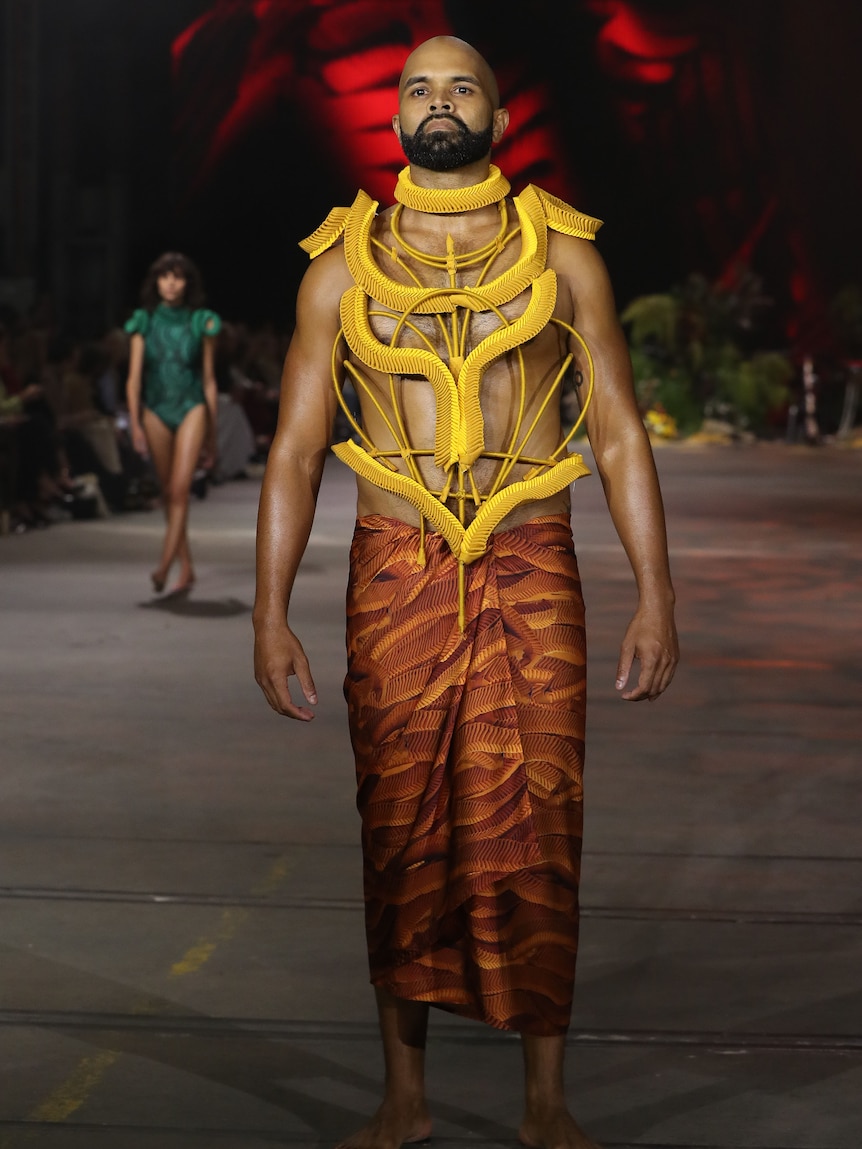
x=459, y=314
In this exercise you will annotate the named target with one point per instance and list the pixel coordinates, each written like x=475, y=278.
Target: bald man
x=459, y=314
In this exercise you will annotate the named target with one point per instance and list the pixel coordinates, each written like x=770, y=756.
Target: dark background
x=702, y=133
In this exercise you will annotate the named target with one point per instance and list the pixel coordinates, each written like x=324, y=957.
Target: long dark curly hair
x=180, y=265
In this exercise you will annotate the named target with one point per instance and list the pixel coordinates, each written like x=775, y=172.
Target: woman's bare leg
x=547, y=1123
x=403, y=1117
x=160, y=440
x=175, y=456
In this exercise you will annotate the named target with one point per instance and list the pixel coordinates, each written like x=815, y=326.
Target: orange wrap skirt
x=469, y=758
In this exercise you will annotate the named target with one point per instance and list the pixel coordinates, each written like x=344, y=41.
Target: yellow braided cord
x=515, y=455
x=491, y=513
x=328, y=232
x=360, y=382
x=402, y=361
x=565, y=219
x=430, y=507
x=488, y=252
x=447, y=200
x=402, y=297
x=591, y=371
x=335, y=365
x=466, y=543
x=455, y=377
x=533, y=319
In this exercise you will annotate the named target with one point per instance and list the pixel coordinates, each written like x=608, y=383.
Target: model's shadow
x=181, y=603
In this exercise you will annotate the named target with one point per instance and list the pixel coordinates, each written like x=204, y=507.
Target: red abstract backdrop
x=337, y=63
x=685, y=125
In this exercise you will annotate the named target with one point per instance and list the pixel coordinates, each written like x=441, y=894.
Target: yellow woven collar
x=447, y=201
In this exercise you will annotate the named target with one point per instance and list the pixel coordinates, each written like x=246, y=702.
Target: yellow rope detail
x=328, y=232
x=401, y=297
x=532, y=320
x=455, y=375
x=361, y=385
x=464, y=259
x=421, y=555
x=403, y=361
x=591, y=371
x=337, y=382
x=563, y=218
x=491, y=513
x=439, y=516
x=452, y=200
x=466, y=543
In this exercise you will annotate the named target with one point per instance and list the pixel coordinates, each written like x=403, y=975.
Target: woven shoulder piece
x=562, y=217
x=328, y=232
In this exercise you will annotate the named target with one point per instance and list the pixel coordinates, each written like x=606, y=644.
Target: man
x=452, y=314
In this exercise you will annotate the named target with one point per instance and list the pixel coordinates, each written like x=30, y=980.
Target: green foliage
x=756, y=386
x=688, y=355
x=668, y=387
x=653, y=319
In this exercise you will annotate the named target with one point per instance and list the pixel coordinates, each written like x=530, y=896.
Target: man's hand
x=650, y=638
x=278, y=654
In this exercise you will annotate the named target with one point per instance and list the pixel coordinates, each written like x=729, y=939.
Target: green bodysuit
x=173, y=336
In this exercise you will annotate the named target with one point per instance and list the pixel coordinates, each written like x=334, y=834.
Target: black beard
x=444, y=151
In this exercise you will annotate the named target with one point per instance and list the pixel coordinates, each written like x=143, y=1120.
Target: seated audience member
x=89, y=434
x=236, y=441
x=31, y=445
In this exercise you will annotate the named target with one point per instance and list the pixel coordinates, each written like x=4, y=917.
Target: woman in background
x=172, y=395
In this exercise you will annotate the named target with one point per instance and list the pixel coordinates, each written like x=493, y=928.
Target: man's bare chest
x=436, y=332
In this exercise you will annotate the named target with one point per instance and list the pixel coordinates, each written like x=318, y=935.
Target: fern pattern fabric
x=469, y=751
x=173, y=341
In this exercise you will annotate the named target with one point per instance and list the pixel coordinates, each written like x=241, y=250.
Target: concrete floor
x=181, y=953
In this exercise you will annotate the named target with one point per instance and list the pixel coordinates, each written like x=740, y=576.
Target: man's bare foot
x=392, y=1126
x=553, y=1129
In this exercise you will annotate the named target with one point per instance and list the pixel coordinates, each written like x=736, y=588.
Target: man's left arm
x=625, y=464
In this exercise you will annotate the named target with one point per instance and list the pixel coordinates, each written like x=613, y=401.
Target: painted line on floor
x=232, y=919
x=71, y=1095
x=68, y=1097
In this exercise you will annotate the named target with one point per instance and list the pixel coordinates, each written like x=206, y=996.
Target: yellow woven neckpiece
x=456, y=375
x=448, y=201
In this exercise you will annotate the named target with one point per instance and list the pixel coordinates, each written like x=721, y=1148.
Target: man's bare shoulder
x=576, y=259
x=326, y=280
x=582, y=273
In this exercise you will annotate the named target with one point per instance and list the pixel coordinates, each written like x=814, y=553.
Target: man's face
x=447, y=116
x=443, y=144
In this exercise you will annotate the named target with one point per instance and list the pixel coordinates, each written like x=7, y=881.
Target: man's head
x=449, y=115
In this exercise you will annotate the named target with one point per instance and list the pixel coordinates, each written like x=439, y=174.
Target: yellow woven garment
x=456, y=377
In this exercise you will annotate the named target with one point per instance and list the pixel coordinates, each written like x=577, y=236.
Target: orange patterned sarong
x=469, y=757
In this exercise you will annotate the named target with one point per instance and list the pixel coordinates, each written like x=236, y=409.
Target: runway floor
x=182, y=958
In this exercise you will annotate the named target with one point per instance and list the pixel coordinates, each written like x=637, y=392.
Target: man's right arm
x=293, y=472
